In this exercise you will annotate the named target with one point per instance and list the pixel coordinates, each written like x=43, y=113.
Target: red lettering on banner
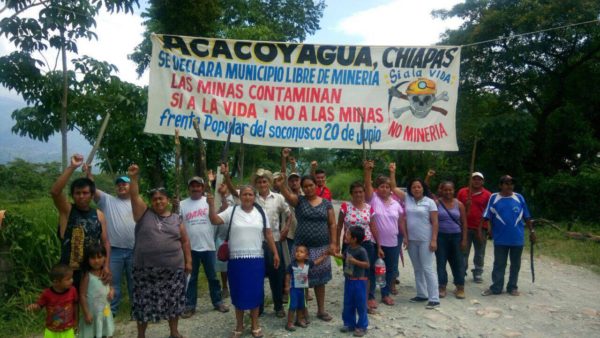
x=322, y=114
x=395, y=129
x=426, y=134
x=184, y=82
x=356, y=114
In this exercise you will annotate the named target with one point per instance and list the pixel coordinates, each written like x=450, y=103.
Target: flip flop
x=257, y=333
x=324, y=317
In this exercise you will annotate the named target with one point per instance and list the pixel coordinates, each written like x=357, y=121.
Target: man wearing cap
x=120, y=225
x=508, y=213
x=475, y=201
x=276, y=210
x=194, y=213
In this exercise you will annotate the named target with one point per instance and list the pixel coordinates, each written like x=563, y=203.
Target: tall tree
x=549, y=77
x=275, y=20
x=59, y=24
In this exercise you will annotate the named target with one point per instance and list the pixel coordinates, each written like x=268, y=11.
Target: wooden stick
x=241, y=159
x=177, y=165
x=471, y=171
x=202, y=156
x=98, y=139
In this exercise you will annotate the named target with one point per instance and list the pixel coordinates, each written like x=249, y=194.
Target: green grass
x=552, y=242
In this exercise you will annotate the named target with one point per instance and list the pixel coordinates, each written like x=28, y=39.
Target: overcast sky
x=374, y=22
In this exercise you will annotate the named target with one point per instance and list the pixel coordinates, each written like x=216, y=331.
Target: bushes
x=340, y=183
x=571, y=197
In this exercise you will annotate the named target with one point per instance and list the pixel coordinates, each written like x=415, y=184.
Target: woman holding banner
x=316, y=230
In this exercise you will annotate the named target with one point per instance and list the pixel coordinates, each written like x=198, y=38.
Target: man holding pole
x=475, y=198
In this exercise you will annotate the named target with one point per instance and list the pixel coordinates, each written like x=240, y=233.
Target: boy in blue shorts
x=296, y=282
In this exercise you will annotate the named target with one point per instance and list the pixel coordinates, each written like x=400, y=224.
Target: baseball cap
x=293, y=174
x=477, y=174
x=196, y=179
x=122, y=179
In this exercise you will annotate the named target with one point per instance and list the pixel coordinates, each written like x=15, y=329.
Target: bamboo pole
x=98, y=139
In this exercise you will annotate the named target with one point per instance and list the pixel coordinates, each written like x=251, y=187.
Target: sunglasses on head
x=161, y=190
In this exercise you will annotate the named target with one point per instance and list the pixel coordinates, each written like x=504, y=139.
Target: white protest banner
x=302, y=95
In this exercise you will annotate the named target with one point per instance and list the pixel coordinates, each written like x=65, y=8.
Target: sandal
x=236, y=334
x=302, y=324
x=257, y=333
x=324, y=317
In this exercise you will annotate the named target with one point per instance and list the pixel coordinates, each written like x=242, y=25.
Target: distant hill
x=14, y=146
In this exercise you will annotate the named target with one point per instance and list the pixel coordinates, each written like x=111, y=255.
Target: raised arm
x=313, y=168
x=215, y=219
x=395, y=190
x=227, y=180
x=285, y=153
x=368, y=166
x=290, y=197
x=137, y=203
x=429, y=176
x=60, y=200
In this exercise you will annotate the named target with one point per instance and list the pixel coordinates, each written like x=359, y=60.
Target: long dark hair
x=426, y=191
x=93, y=250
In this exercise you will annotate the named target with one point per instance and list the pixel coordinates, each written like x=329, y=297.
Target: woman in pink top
x=358, y=213
x=388, y=220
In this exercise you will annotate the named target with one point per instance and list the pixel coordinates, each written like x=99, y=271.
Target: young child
x=95, y=296
x=60, y=301
x=355, y=284
x=296, y=282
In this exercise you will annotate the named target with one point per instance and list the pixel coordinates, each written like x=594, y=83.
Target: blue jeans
x=391, y=267
x=120, y=260
x=448, y=251
x=501, y=254
x=355, y=303
x=479, y=256
x=207, y=259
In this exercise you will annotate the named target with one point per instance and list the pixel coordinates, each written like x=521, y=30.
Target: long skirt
x=246, y=282
x=158, y=293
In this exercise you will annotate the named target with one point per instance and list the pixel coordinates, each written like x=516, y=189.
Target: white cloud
x=400, y=22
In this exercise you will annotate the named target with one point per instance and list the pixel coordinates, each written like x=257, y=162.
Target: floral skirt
x=158, y=293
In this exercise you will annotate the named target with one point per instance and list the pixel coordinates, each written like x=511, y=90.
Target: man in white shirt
x=194, y=214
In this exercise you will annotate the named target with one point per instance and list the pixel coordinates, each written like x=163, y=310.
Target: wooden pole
x=471, y=171
x=177, y=165
x=98, y=139
x=202, y=156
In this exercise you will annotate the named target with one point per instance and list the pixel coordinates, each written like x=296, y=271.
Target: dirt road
x=563, y=302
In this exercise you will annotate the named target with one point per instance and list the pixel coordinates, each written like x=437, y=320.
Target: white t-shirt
x=119, y=220
x=194, y=214
x=418, y=222
x=246, y=234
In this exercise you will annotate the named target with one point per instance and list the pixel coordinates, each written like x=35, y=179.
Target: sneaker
x=477, y=279
x=346, y=329
x=188, y=313
x=432, y=305
x=359, y=333
x=418, y=299
x=487, y=292
x=222, y=308
x=387, y=300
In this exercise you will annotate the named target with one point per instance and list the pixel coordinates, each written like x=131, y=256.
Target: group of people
x=282, y=227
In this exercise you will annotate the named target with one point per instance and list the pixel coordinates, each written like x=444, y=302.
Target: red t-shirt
x=324, y=192
x=479, y=202
x=60, y=308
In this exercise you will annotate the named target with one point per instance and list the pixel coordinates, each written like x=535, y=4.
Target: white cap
x=477, y=174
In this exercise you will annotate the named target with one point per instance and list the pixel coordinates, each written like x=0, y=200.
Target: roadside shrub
x=340, y=183
x=571, y=197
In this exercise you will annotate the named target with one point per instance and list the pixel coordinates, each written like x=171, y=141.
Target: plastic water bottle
x=380, y=273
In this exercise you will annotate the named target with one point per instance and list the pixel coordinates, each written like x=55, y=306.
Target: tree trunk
x=63, y=110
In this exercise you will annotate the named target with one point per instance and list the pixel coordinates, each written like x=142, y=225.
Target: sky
x=359, y=22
